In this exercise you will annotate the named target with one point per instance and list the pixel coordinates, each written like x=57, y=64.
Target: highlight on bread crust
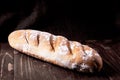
x=56, y=49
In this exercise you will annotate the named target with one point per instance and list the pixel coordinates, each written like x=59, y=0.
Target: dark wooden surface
x=6, y=62
x=17, y=66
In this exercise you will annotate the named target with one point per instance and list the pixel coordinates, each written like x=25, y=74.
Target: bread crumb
x=10, y=67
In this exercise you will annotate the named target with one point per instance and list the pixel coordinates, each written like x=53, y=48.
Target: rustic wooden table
x=17, y=66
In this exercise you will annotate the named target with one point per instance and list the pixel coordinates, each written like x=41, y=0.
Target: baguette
x=56, y=49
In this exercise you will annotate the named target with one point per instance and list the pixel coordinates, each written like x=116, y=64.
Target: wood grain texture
x=6, y=62
x=29, y=68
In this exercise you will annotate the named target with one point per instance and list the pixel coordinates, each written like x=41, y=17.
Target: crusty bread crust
x=56, y=49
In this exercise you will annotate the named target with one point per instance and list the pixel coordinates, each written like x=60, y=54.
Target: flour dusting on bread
x=56, y=49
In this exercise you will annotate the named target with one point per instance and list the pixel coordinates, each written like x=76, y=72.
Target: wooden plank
x=6, y=62
x=28, y=68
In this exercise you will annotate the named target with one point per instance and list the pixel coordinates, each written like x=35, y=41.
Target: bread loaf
x=56, y=49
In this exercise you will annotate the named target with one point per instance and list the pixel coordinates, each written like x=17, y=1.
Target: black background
x=77, y=20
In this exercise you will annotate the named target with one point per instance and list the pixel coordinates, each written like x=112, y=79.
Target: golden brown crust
x=56, y=49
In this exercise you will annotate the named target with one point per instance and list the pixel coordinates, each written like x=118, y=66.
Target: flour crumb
x=10, y=67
